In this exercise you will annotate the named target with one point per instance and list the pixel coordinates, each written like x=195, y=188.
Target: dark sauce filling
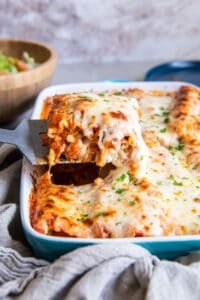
x=78, y=173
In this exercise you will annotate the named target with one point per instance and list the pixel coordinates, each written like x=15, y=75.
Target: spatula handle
x=8, y=136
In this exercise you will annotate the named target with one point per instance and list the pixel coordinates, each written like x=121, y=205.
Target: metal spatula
x=27, y=138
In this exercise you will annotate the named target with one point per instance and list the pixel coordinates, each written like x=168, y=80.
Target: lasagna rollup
x=96, y=128
x=186, y=115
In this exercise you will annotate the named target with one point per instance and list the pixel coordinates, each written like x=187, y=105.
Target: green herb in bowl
x=10, y=64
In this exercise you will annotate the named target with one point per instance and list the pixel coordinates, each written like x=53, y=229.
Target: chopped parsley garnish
x=101, y=94
x=117, y=93
x=161, y=108
x=165, y=113
x=120, y=191
x=121, y=178
x=129, y=175
x=172, y=150
x=163, y=130
x=132, y=202
x=101, y=214
x=118, y=223
x=177, y=183
x=159, y=182
x=135, y=181
x=83, y=217
x=86, y=97
x=180, y=146
x=166, y=120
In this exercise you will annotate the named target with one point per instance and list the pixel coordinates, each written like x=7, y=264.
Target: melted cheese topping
x=103, y=129
x=163, y=199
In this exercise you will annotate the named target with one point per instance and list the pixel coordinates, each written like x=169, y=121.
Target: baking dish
x=50, y=247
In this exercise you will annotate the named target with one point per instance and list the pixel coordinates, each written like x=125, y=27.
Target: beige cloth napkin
x=110, y=272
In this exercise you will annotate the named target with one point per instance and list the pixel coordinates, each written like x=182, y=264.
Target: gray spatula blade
x=27, y=137
x=38, y=127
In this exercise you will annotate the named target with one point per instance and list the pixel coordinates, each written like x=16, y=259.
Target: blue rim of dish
x=181, y=70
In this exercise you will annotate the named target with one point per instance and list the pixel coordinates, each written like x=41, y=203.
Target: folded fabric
x=112, y=271
x=98, y=272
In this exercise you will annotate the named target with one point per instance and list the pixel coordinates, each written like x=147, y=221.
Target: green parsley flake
x=163, y=130
x=118, y=223
x=159, y=182
x=172, y=150
x=101, y=214
x=180, y=146
x=165, y=113
x=166, y=120
x=161, y=108
x=86, y=97
x=117, y=93
x=129, y=175
x=121, y=178
x=177, y=183
x=132, y=202
x=83, y=217
x=135, y=181
x=120, y=191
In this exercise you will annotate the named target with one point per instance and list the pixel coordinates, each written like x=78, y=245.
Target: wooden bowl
x=18, y=90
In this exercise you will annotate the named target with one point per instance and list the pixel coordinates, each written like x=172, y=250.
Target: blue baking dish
x=187, y=71
x=50, y=247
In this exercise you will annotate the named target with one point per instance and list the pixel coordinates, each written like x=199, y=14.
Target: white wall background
x=109, y=30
